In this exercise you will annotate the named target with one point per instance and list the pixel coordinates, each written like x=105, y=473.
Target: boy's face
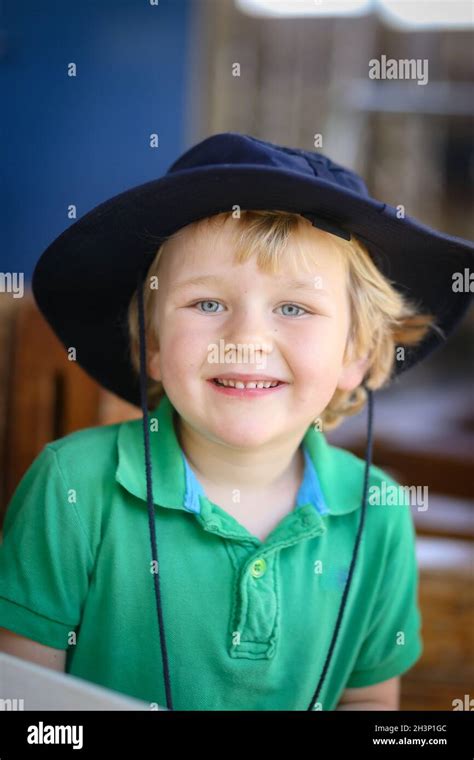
x=263, y=316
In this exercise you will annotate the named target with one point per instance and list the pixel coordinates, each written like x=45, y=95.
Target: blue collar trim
x=309, y=492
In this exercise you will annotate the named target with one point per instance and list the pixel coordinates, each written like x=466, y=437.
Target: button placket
x=257, y=607
x=255, y=615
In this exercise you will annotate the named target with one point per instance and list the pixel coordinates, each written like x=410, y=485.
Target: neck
x=228, y=467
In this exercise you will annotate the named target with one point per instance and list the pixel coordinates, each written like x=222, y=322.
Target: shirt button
x=258, y=568
x=212, y=525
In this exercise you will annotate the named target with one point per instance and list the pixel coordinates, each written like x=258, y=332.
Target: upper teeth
x=254, y=384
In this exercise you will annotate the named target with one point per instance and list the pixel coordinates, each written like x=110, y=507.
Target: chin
x=240, y=435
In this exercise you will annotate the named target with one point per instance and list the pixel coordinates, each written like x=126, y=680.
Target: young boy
x=261, y=603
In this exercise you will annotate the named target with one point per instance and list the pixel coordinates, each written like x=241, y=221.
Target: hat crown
x=235, y=149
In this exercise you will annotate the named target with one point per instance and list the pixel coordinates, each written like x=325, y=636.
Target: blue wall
x=79, y=140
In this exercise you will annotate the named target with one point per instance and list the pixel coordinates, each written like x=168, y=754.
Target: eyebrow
x=302, y=285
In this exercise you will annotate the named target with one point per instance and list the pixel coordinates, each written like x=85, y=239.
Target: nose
x=250, y=328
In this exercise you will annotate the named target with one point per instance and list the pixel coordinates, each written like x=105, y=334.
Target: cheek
x=182, y=352
x=316, y=348
x=315, y=356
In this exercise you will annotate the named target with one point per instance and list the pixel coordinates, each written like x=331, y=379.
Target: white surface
x=45, y=689
x=445, y=555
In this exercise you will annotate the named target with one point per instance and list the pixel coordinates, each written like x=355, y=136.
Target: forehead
x=207, y=249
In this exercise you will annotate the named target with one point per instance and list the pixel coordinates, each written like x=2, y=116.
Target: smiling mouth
x=241, y=391
x=247, y=385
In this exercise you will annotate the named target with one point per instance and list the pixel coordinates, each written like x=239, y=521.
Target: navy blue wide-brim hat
x=85, y=279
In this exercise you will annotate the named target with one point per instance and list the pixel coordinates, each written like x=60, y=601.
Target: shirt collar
x=331, y=482
x=309, y=491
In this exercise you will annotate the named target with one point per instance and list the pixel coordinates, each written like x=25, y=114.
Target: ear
x=153, y=363
x=353, y=373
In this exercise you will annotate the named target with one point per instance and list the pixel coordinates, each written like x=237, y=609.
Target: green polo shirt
x=248, y=622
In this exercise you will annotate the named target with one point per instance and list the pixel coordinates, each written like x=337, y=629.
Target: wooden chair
x=43, y=395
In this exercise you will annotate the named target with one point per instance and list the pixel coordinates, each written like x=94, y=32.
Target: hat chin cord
x=149, y=493
x=151, y=515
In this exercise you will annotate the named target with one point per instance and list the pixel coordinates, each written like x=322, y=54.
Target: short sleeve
x=45, y=557
x=393, y=642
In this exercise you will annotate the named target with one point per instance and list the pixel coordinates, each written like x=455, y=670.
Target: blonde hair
x=381, y=318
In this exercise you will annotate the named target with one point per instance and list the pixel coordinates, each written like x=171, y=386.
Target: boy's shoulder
x=356, y=465
x=85, y=461
x=389, y=503
x=77, y=470
x=347, y=459
x=343, y=472
x=93, y=447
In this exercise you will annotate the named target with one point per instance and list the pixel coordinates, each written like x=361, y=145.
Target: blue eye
x=293, y=305
x=206, y=302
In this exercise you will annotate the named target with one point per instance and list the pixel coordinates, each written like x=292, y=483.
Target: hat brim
x=84, y=280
